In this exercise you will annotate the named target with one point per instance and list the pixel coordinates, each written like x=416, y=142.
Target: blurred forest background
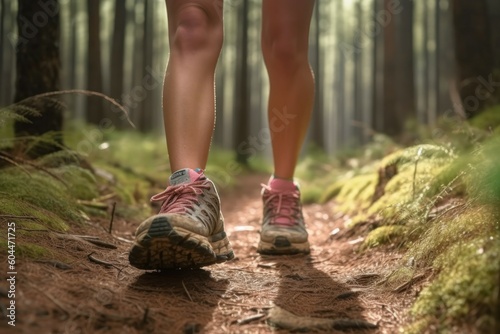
x=381, y=66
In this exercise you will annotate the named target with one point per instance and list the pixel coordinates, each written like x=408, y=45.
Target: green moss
x=39, y=190
x=406, y=158
x=311, y=194
x=332, y=190
x=19, y=207
x=32, y=251
x=384, y=235
x=463, y=289
x=483, y=181
x=130, y=188
x=357, y=193
x=461, y=244
x=59, y=158
x=405, y=194
x=26, y=250
x=81, y=182
x=487, y=119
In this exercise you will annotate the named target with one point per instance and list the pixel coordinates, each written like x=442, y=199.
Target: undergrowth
x=437, y=202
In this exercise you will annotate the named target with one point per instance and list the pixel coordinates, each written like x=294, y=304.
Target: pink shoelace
x=180, y=197
x=284, y=206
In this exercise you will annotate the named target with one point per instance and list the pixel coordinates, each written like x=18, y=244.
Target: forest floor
x=95, y=290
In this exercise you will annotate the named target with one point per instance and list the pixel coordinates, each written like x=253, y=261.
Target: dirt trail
x=98, y=292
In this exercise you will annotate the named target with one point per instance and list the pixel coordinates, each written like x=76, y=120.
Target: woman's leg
x=285, y=32
x=188, y=232
x=195, y=37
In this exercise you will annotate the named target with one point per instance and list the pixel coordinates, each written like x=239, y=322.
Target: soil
x=95, y=290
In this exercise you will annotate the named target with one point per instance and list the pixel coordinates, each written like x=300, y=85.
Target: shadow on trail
x=308, y=292
x=179, y=301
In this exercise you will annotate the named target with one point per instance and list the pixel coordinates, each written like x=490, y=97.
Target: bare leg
x=285, y=32
x=195, y=37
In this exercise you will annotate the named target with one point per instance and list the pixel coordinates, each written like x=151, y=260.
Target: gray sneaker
x=189, y=230
x=283, y=229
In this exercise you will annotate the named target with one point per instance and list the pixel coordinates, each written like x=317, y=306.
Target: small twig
x=251, y=318
x=17, y=217
x=407, y=284
x=32, y=230
x=91, y=239
x=105, y=197
x=187, y=292
x=101, y=243
x=112, y=218
x=123, y=239
x=144, y=318
x=101, y=262
x=56, y=264
x=92, y=204
x=287, y=320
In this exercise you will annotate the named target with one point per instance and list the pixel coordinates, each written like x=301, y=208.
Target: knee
x=284, y=50
x=196, y=30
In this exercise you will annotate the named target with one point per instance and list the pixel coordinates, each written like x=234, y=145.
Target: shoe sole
x=282, y=246
x=163, y=246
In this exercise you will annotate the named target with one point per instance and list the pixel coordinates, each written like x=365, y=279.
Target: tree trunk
x=134, y=99
x=242, y=100
x=494, y=14
x=392, y=121
x=7, y=84
x=339, y=82
x=405, y=88
x=318, y=122
x=94, y=74
x=357, y=137
x=473, y=53
x=118, y=50
x=37, y=70
x=446, y=61
x=146, y=122
x=377, y=70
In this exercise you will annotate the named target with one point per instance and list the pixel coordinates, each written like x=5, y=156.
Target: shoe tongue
x=185, y=175
x=282, y=184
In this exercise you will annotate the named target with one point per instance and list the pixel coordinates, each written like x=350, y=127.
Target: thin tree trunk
x=242, y=99
x=494, y=11
x=94, y=74
x=473, y=53
x=135, y=96
x=378, y=70
x=6, y=90
x=358, y=82
x=317, y=135
x=118, y=50
x=37, y=72
x=405, y=75
x=147, y=63
x=340, y=77
x=446, y=59
x=392, y=121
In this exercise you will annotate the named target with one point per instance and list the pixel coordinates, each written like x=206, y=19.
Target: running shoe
x=283, y=229
x=188, y=232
